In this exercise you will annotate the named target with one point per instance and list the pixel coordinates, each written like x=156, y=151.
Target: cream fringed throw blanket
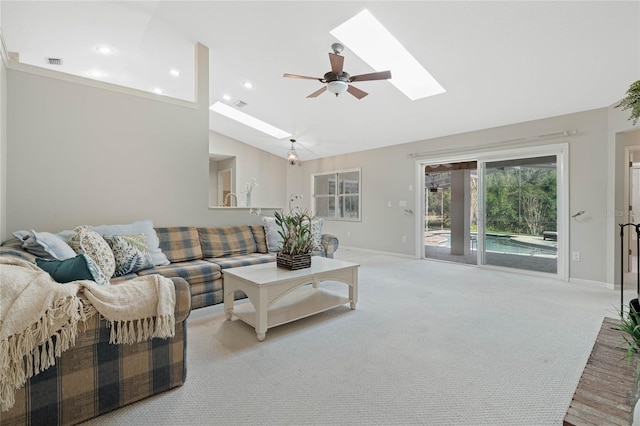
x=39, y=317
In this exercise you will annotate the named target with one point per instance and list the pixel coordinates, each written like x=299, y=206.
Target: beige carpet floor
x=430, y=343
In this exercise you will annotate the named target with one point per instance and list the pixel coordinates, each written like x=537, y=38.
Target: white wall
x=388, y=172
x=269, y=170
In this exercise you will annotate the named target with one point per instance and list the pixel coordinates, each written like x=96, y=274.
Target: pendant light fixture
x=292, y=156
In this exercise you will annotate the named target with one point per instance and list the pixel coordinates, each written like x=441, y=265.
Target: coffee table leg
x=353, y=289
x=228, y=299
x=261, y=314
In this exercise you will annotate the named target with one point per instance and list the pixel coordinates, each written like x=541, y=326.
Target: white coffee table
x=279, y=296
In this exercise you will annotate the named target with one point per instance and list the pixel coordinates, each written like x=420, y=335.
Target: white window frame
x=338, y=195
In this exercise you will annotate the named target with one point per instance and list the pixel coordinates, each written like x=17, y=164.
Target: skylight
x=374, y=44
x=248, y=120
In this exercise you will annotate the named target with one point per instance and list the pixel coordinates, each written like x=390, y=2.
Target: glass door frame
x=560, y=150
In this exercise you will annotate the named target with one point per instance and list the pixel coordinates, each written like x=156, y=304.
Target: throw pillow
x=316, y=232
x=130, y=252
x=85, y=240
x=21, y=235
x=47, y=246
x=141, y=226
x=80, y=267
x=274, y=240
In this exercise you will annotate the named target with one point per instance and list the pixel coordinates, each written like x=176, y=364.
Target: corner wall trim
x=3, y=50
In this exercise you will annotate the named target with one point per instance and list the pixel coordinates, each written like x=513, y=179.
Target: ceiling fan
x=337, y=80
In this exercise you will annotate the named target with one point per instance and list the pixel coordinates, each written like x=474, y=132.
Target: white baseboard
x=388, y=253
x=592, y=283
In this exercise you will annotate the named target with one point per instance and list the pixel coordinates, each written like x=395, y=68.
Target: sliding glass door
x=521, y=213
x=521, y=205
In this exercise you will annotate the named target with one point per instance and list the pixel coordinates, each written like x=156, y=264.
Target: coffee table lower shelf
x=301, y=303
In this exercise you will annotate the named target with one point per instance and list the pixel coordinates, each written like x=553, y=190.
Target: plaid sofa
x=199, y=254
x=95, y=377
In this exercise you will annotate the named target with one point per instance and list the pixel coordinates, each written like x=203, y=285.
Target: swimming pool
x=503, y=244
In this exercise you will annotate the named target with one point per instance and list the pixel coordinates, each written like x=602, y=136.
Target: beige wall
x=388, y=172
x=86, y=154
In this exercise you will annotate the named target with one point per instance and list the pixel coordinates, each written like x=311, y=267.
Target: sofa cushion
x=195, y=272
x=242, y=260
x=180, y=243
x=260, y=237
x=87, y=241
x=130, y=252
x=226, y=240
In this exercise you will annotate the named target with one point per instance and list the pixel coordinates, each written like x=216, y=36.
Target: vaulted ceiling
x=499, y=62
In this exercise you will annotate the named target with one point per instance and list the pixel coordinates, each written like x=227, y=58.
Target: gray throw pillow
x=47, y=246
x=274, y=240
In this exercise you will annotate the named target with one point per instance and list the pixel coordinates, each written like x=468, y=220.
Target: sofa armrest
x=183, y=299
x=329, y=243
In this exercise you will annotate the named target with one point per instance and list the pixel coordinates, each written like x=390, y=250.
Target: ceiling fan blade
x=382, y=75
x=337, y=62
x=356, y=92
x=302, y=76
x=318, y=92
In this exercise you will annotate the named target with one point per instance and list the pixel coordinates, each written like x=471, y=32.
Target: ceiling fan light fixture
x=337, y=87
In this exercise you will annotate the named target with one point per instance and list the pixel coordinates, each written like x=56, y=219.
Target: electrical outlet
x=404, y=238
x=575, y=256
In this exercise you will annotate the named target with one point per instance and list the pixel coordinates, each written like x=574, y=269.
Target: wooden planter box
x=298, y=261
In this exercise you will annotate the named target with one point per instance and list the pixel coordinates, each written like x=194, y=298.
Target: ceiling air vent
x=240, y=104
x=54, y=61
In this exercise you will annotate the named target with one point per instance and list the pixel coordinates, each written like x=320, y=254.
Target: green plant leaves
x=632, y=101
x=295, y=230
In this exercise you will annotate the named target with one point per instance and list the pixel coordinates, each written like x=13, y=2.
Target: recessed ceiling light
x=247, y=84
x=105, y=50
x=157, y=90
x=248, y=120
x=96, y=74
x=374, y=44
x=174, y=72
x=226, y=97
